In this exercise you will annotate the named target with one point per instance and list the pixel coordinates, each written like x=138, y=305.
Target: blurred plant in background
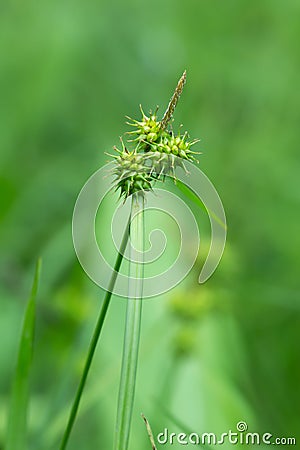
x=68, y=72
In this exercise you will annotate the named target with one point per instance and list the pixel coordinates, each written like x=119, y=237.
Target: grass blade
x=196, y=200
x=17, y=420
x=133, y=323
x=94, y=341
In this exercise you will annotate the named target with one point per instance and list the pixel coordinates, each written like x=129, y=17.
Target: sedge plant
x=152, y=153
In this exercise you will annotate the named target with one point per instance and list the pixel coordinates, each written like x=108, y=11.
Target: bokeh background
x=210, y=355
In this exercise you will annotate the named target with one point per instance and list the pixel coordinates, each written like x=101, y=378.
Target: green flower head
x=157, y=150
x=132, y=174
x=147, y=131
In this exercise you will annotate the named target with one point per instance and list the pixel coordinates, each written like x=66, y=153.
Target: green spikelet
x=147, y=132
x=131, y=173
x=163, y=164
x=169, y=153
x=178, y=146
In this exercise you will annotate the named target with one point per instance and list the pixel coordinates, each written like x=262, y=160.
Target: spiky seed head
x=178, y=146
x=131, y=173
x=163, y=164
x=147, y=131
x=157, y=150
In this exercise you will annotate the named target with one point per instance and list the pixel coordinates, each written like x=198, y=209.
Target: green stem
x=133, y=321
x=94, y=340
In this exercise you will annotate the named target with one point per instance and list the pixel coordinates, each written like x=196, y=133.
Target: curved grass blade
x=196, y=200
x=17, y=420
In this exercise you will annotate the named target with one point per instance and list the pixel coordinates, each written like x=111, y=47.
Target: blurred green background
x=210, y=355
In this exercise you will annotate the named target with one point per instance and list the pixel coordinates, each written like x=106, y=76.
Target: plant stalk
x=94, y=340
x=133, y=322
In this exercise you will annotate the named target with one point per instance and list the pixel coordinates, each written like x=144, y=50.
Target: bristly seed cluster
x=132, y=174
x=157, y=152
